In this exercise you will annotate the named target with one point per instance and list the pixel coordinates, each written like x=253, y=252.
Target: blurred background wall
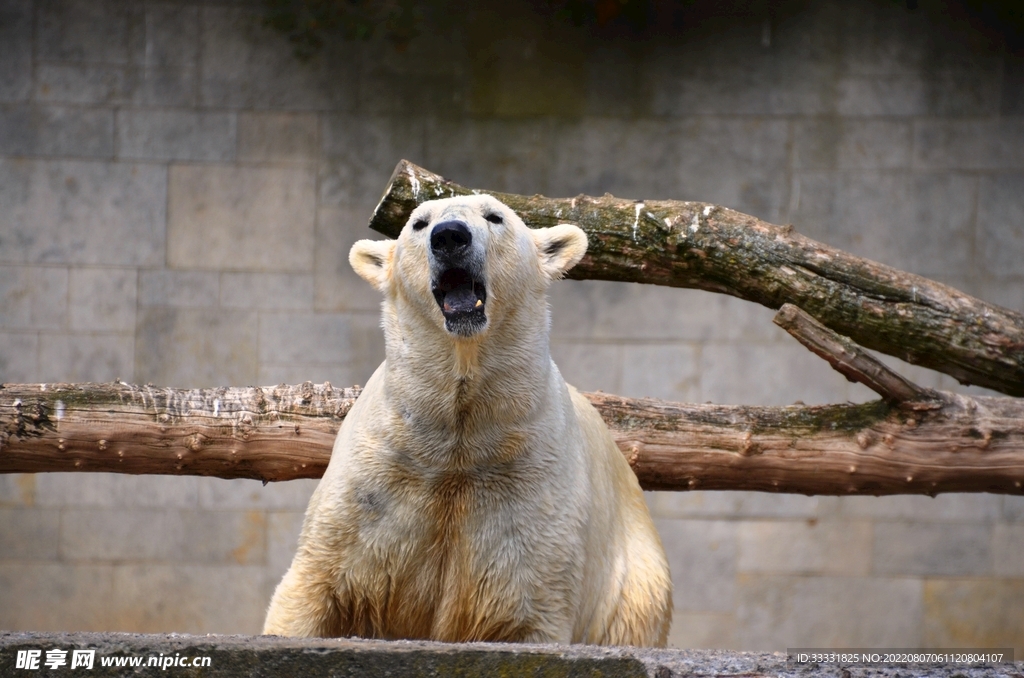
x=178, y=194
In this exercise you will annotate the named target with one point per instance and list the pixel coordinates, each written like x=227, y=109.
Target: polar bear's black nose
x=450, y=237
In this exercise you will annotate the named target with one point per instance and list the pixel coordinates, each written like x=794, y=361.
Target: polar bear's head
x=465, y=261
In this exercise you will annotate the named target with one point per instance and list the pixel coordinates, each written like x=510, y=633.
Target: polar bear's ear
x=371, y=259
x=560, y=248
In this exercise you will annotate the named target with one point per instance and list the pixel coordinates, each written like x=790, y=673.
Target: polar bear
x=472, y=495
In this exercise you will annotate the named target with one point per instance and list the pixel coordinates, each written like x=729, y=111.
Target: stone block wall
x=178, y=195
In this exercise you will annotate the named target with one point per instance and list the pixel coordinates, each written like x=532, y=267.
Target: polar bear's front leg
x=303, y=605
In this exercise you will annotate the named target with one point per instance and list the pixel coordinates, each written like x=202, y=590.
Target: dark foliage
x=310, y=24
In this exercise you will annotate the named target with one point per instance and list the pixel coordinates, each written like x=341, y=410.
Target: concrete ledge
x=259, y=656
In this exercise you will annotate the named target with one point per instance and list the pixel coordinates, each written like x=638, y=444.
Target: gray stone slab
x=175, y=135
x=172, y=87
x=498, y=154
x=666, y=371
x=767, y=374
x=33, y=297
x=702, y=557
x=878, y=95
x=245, y=64
x=75, y=357
x=216, y=494
x=962, y=92
x=589, y=366
x=887, y=39
x=727, y=505
x=78, y=212
x=706, y=630
x=1013, y=508
x=267, y=291
x=252, y=656
x=184, y=289
x=195, y=348
x=18, y=354
x=85, y=83
x=278, y=137
x=525, y=68
x=383, y=91
x=51, y=596
x=172, y=36
x=965, y=91
x=1001, y=224
x=583, y=310
x=897, y=62
x=103, y=299
x=932, y=549
x=109, y=490
x=28, y=533
x=581, y=149
x=315, y=338
x=1012, y=102
x=241, y=218
x=969, y=508
x=33, y=130
x=18, y=490
x=921, y=223
x=360, y=154
x=163, y=535
x=838, y=143
x=159, y=598
x=271, y=374
x=1007, y=554
x=1007, y=292
x=336, y=285
x=729, y=72
x=15, y=50
x=431, y=74
x=86, y=30
x=737, y=147
x=775, y=612
x=709, y=159
x=805, y=547
x=974, y=613
x=613, y=88
x=971, y=144
x=283, y=529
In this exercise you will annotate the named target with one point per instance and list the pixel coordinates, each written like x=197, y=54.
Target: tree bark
x=948, y=443
x=708, y=247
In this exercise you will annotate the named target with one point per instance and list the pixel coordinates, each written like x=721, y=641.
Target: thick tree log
x=276, y=433
x=704, y=246
x=954, y=444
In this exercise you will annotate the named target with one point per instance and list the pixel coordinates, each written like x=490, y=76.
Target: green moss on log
x=704, y=246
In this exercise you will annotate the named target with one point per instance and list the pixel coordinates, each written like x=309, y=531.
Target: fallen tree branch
x=848, y=358
x=704, y=246
x=278, y=433
x=956, y=444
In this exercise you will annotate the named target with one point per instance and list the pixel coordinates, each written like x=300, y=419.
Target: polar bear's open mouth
x=462, y=299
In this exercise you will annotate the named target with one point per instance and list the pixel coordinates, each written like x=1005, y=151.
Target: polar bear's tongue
x=462, y=299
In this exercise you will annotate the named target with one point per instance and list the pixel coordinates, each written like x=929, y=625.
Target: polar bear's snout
x=457, y=283
x=450, y=239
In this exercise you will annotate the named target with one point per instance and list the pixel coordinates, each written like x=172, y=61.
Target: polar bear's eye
x=419, y=225
x=494, y=218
